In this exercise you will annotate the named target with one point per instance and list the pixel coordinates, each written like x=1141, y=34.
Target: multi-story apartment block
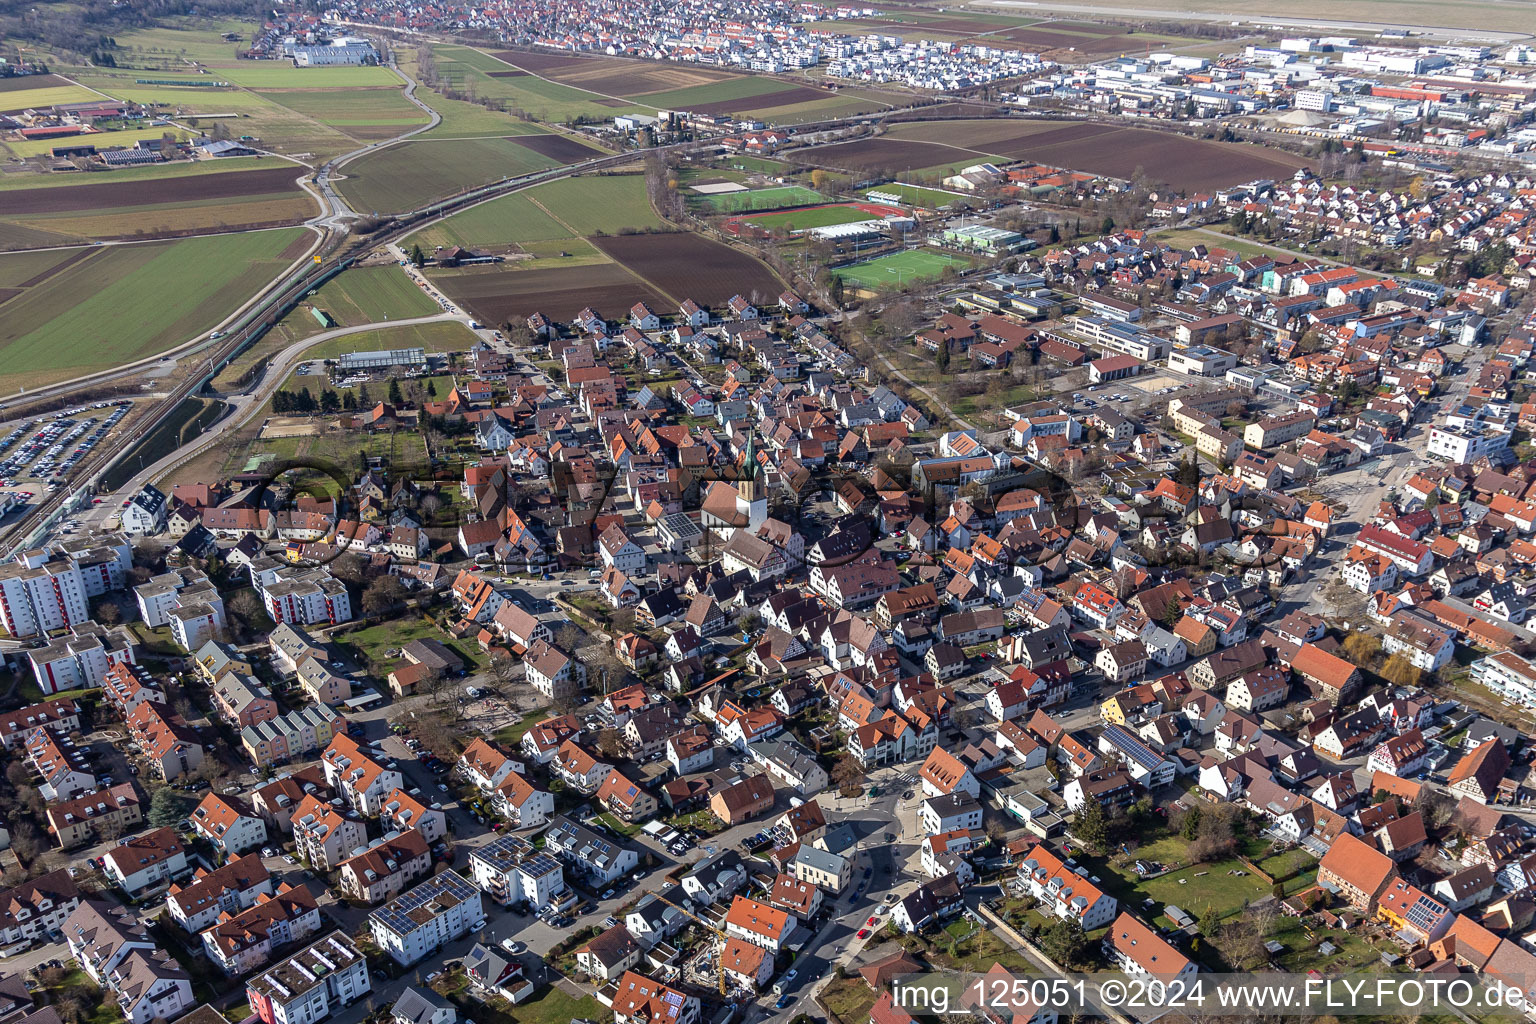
x=310, y=985
x=148, y=861
x=198, y=904
x=322, y=835
x=244, y=941
x=426, y=918
x=362, y=783
x=510, y=870
x=291, y=736
x=302, y=594
x=386, y=867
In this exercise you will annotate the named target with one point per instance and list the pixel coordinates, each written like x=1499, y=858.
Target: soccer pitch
x=897, y=269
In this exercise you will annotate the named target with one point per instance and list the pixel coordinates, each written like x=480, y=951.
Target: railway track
x=277, y=301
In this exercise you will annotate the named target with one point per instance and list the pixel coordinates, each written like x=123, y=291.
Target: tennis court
x=899, y=269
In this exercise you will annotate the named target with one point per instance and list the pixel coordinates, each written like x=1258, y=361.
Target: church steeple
x=747, y=488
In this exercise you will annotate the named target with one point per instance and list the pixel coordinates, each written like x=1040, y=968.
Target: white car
x=266, y=851
x=512, y=946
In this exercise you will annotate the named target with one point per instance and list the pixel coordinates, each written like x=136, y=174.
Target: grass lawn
x=365, y=295
x=976, y=954
x=621, y=827
x=814, y=217
x=759, y=199
x=507, y=220
x=129, y=301
x=414, y=173
x=598, y=204
x=364, y=113
x=848, y=999
x=511, y=736
x=370, y=643
x=1291, y=862
x=551, y=1006
x=897, y=269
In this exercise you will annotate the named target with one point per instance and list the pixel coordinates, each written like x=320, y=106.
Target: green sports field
x=812, y=217
x=899, y=268
x=761, y=199
x=124, y=302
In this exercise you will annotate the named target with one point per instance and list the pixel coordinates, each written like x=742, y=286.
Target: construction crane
x=720, y=961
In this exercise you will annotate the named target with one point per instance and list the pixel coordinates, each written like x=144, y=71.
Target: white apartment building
x=439, y=910
x=1507, y=674
x=312, y=984
x=81, y=659
x=302, y=594
x=510, y=870
x=1461, y=444
x=39, y=595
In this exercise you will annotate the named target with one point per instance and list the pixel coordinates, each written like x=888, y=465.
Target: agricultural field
x=365, y=295
x=509, y=220
x=36, y=91
x=609, y=76
x=140, y=205
x=758, y=199
x=743, y=92
x=810, y=217
x=602, y=203
x=119, y=303
x=894, y=157
x=412, y=174
x=1187, y=164
x=469, y=70
x=369, y=113
x=900, y=269
x=683, y=265
x=495, y=295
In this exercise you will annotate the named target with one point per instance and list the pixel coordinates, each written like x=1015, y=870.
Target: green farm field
x=365, y=295
x=512, y=219
x=23, y=99
x=125, y=302
x=361, y=113
x=412, y=174
x=178, y=169
x=599, y=204
x=469, y=69
x=899, y=268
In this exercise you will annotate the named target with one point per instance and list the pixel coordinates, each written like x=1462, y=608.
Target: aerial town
x=694, y=513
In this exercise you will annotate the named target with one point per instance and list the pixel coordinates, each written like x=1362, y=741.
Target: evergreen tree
x=394, y=392
x=417, y=256
x=329, y=402
x=431, y=388
x=363, y=401
x=1090, y=828
x=349, y=401
x=1191, y=826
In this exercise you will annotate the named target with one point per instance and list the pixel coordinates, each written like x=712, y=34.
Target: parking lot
x=40, y=454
